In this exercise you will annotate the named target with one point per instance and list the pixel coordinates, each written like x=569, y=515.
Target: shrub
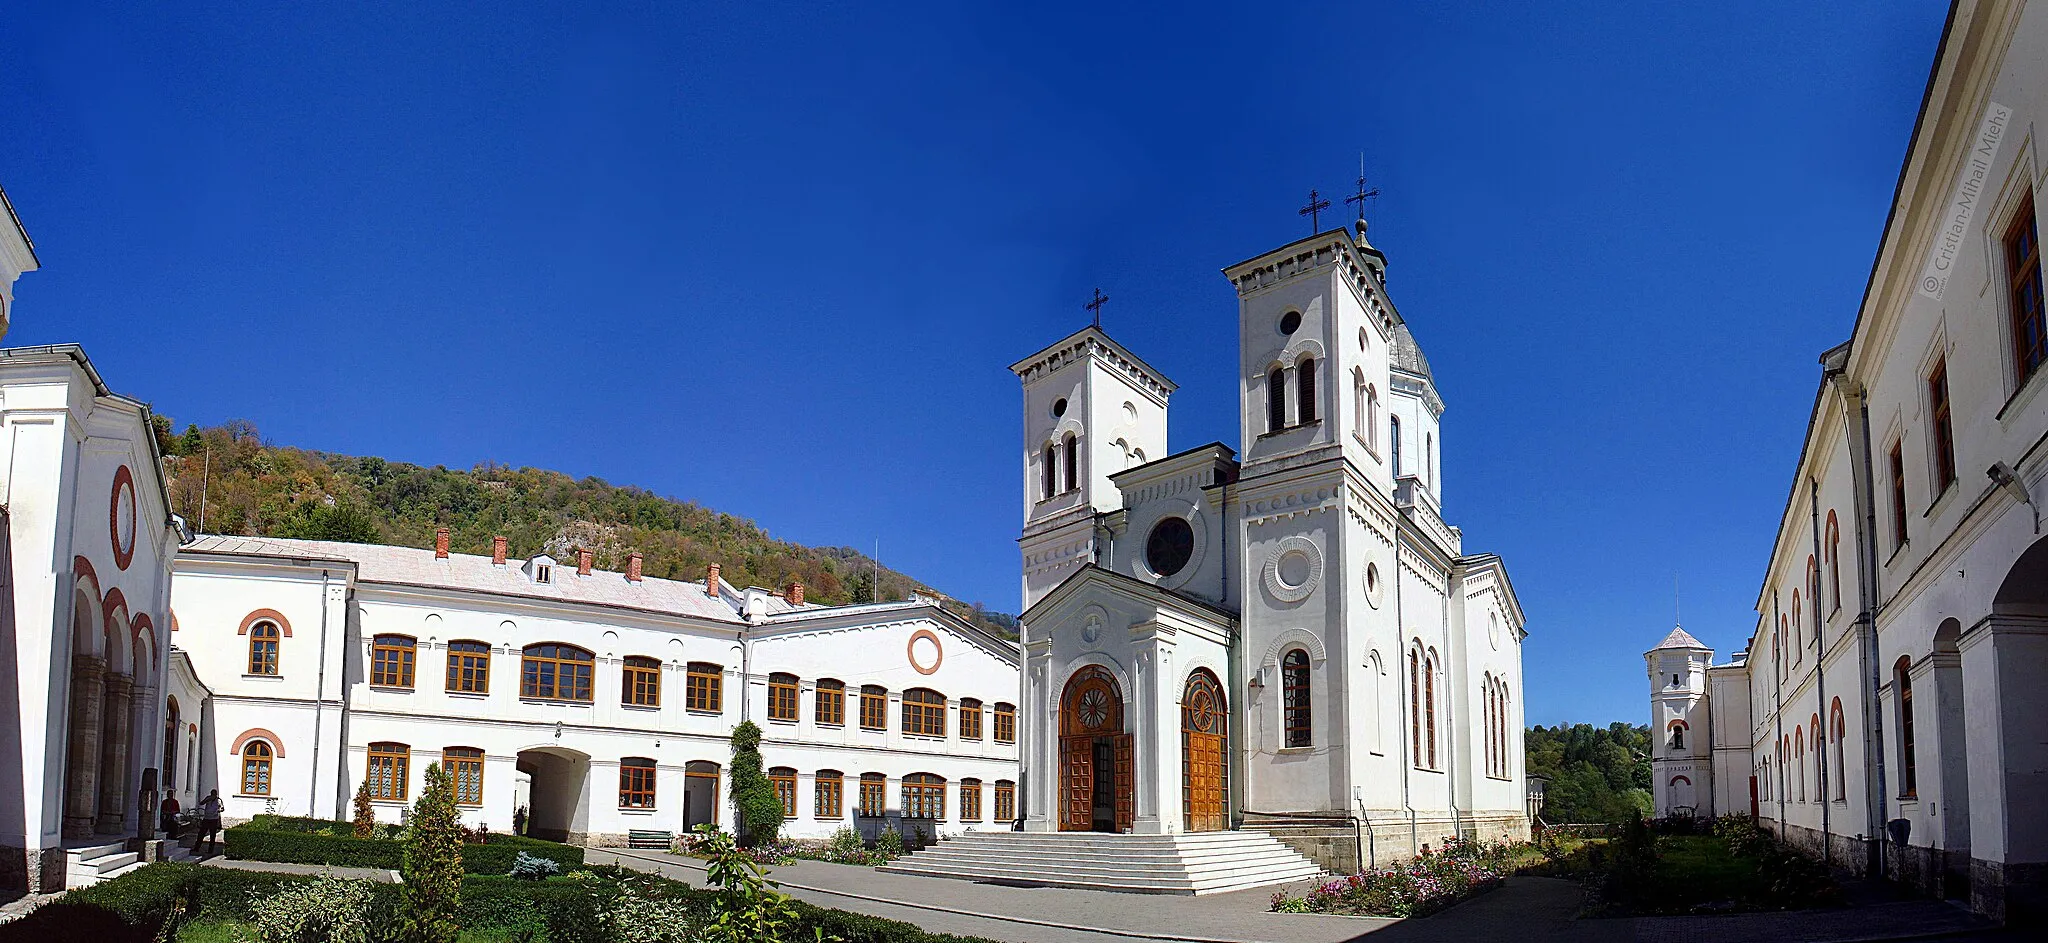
x=296, y=841
x=890, y=844
x=366, y=815
x=529, y=867
x=138, y=905
x=1426, y=884
x=433, y=863
x=753, y=796
x=328, y=910
x=642, y=914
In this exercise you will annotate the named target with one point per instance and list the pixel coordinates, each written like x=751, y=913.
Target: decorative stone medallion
x=121, y=517
x=1294, y=569
x=925, y=652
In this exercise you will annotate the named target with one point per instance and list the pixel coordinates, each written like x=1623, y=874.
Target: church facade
x=1291, y=638
x=1887, y=712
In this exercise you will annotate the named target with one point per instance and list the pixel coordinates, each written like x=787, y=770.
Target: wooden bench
x=648, y=838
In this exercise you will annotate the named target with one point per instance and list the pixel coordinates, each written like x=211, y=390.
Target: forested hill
x=1597, y=774
x=252, y=488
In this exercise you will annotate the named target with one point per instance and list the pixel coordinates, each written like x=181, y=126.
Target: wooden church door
x=1203, y=722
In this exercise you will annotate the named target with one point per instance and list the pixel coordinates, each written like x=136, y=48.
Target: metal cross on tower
x=1095, y=306
x=1363, y=194
x=1314, y=211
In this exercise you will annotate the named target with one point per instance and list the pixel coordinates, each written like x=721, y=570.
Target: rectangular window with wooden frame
x=2023, y=284
x=465, y=766
x=641, y=683
x=873, y=798
x=1941, y=429
x=469, y=667
x=705, y=691
x=970, y=719
x=874, y=707
x=970, y=800
x=831, y=703
x=784, y=780
x=387, y=771
x=1006, y=801
x=924, y=797
x=924, y=713
x=829, y=797
x=636, y=783
x=1897, y=462
x=391, y=658
x=782, y=689
x=555, y=672
x=1006, y=723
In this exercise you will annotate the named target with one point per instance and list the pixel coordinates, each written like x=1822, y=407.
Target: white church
x=1290, y=639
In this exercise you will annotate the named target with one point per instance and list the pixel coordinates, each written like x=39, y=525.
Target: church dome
x=1408, y=354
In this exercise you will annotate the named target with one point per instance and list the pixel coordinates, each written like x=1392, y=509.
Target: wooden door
x=1126, y=783
x=1203, y=723
x=1077, y=782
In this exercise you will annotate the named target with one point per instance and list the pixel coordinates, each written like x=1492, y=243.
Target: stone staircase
x=84, y=867
x=1193, y=863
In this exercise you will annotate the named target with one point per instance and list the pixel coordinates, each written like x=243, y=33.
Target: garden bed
x=319, y=841
x=1724, y=866
x=1429, y=883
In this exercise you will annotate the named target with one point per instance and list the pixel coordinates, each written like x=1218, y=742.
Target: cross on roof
x=1362, y=195
x=1095, y=306
x=1314, y=211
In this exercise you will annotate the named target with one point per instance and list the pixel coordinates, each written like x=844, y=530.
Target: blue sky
x=776, y=258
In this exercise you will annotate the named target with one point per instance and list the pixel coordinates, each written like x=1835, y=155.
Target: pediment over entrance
x=1100, y=609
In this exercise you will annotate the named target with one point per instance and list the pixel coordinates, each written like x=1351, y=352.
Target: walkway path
x=1526, y=910
x=380, y=875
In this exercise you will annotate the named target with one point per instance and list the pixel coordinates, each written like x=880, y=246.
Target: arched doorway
x=170, y=755
x=1097, y=791
x=1204, y=729
x=559, y=791
x=700, y=794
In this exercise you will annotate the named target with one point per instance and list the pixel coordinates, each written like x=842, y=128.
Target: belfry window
x=1048, y=464
x=1073, y=462
x=1305, y=385
x=1276, y=400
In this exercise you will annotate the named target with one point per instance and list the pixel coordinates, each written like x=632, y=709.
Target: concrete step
x=1197, y=863
x=1128, y=859
x=106, y=863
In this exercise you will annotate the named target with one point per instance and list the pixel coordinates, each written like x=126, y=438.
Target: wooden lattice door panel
x=1204, y=794
x=1077, y=784
x=1126, y=784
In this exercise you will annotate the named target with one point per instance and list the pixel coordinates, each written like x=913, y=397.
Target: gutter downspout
x=1778, y=710
x=1820, y=674
x=1407, y=722
x=1867, y=588
x=319, y=703
x=1450, y=721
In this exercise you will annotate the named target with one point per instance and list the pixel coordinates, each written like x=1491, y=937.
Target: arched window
x=1798, y=641
x=783, y=778
x=924, y=796
x=1294, y=697
x=1902, y=680
x=1358, y=410
x=466, y=766
x=782, y=696
x=1820, y=767
x=1833, y=548
x=872, y=800
x=640, y=681
x=970, y=719
x=1676, y=739
x=388, y=771
x=829, y=794
x=1394, y=443
x=391, y=658
x=704, y=687
x=1429, y=704
x=1486, y=709
x=636, y=783
x=1799, y=759
x=263, y=648
x=1006, y=722
x=1006, y=801
x=1835, y=731
x=924, y=713
x=1073, y=462
x=1415, y=706
x=831, y=702
x=874, y=707
x=1049, y=466
x=555, y=672
x=1429, y=458
x=469, y=667
x=1276, y=400
x=970, y=800
x=1305, y=384
x=256, y=769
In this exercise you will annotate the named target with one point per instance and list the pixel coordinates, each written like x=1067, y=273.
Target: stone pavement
x=380, y=875
x=1526, y=910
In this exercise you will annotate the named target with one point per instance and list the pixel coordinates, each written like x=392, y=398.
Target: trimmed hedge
x=133, y=907
x=293, y=841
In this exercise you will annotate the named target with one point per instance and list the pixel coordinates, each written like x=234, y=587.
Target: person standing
x=209, y=820
x=169, y=817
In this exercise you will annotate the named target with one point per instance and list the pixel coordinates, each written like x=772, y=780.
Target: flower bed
x=1431, y=882
x=318, y=841
x=844, y=847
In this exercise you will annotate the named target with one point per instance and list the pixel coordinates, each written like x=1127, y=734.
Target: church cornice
x=1091, y=343
x=1359, y=268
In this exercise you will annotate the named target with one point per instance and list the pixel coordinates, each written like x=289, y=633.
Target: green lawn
x=1704, y=869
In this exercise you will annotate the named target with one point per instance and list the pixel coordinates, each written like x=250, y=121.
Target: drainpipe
x=1778, y=711
x=1820, y=674
x=319, y=704
x=1407, y=742
x=1867, y=589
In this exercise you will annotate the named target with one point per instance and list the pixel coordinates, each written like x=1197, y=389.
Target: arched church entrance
x=1204, y=728
x=560, y=793
x=1097, y=792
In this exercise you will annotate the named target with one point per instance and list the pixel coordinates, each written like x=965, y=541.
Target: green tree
x=432, y=867
x=753, y=796
x=860, y=589
x=321, y=520
x=1596, y=774
x=190, y=443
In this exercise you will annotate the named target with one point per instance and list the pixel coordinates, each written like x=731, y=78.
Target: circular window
x=1493, y=629
x=1290, y=322
x=1293, y=567
x=1059, y=407
x=121, y=517
x=1363, y=344
x=1170, y=545
x=1130, y=412
x=1372, y=584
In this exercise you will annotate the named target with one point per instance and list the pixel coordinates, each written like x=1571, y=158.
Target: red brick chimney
x=796, y=593
x=633, y=566
x=583, y=558
x=711, y=582
x=440, y=543
x=498, y=551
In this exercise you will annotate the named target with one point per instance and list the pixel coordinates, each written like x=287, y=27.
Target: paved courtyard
x=1527, y=910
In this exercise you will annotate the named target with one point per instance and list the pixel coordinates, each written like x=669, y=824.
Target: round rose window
x=1169, y=546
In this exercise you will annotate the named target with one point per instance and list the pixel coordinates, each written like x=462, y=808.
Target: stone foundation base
x=2016, y=894
x=35, y=870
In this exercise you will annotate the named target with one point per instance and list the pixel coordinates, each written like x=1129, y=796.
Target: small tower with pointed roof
x=1681, y=748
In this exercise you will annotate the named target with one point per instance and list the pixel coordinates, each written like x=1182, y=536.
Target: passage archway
x=560, y=793
x=1097, y=792
x=700, y=794
x=1204, y=729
